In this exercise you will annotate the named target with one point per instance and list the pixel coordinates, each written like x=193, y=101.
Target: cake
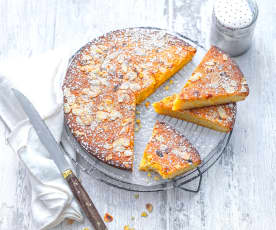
x=218, y=117
x=169, y=153
x=216, y=80
x=107, y=78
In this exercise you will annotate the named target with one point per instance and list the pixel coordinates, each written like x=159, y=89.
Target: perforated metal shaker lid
x=233, y=23
x=234, y=14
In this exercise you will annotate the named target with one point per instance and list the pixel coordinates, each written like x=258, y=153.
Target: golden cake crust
x=218, y=117
x=216, y=80
x=168, y=152
x=105, y=81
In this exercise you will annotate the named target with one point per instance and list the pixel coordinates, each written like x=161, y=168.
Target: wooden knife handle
x=84, y=200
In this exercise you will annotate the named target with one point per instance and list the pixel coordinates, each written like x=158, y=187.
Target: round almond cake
x=107, y=78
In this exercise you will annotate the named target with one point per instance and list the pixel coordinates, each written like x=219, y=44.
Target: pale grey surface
x=237, y=193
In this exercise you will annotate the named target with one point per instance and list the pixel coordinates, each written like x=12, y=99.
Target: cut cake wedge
x=218, y=117
x=169, y=153
x=216, y=80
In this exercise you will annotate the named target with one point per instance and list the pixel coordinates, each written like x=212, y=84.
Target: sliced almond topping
x=86, y=119
x=224, y=57
x=222, y=113
x=66, y=92
x=128, y=153
x=107, y=146
x=93, y=91
x=109, y=157
x=124, y=67
x=114, y=115
x=131, y=75
x=66, y=108
x=211, y=63
x=100, y=115
x=76, y=109
x=195, y=77
x=134, y=87
x=120, y=144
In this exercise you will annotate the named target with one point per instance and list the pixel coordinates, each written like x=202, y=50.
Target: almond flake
x=230, y=89
x=122, y=97
x=92, y=91
x=114, y=115
x=128, y=153
x=109, y=157
x=66, y=108
x=107, y=146
x=210, y=63
x=125, y=85
x=76, y=110
x=195, y=77
x=66, y=92
x=131, y=76
x=120, y=144
x=124, y=67
x=134, y=87
x=100, y=115
x=71, y=99
x=86, y=119
x=222, y=113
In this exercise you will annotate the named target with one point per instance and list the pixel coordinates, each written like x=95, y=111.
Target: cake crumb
x=136, y=196
x=147, y=104
x=166, y=87
x=149, y=207
x=149, y=174
x=108, y=218
x=70, y=221
x=138, y=121
x=171, y=82
x=126, y=227
x=86, y=229
x=138, y=112
x=144, y=214
x=156, y=178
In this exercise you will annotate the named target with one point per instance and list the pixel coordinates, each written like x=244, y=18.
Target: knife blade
x=57, y=154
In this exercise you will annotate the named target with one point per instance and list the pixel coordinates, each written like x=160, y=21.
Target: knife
x=57, y=154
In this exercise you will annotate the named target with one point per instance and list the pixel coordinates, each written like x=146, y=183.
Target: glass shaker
x=233, y=23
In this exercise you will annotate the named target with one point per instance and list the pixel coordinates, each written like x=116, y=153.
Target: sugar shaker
x=233, y=24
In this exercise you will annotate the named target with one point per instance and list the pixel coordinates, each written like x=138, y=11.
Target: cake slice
x=216, y=80
x=169, y=153
x=217, y=117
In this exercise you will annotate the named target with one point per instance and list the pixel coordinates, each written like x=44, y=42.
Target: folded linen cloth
x=40, y=79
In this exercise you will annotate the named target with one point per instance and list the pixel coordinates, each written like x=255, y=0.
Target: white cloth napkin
x=40, y=79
